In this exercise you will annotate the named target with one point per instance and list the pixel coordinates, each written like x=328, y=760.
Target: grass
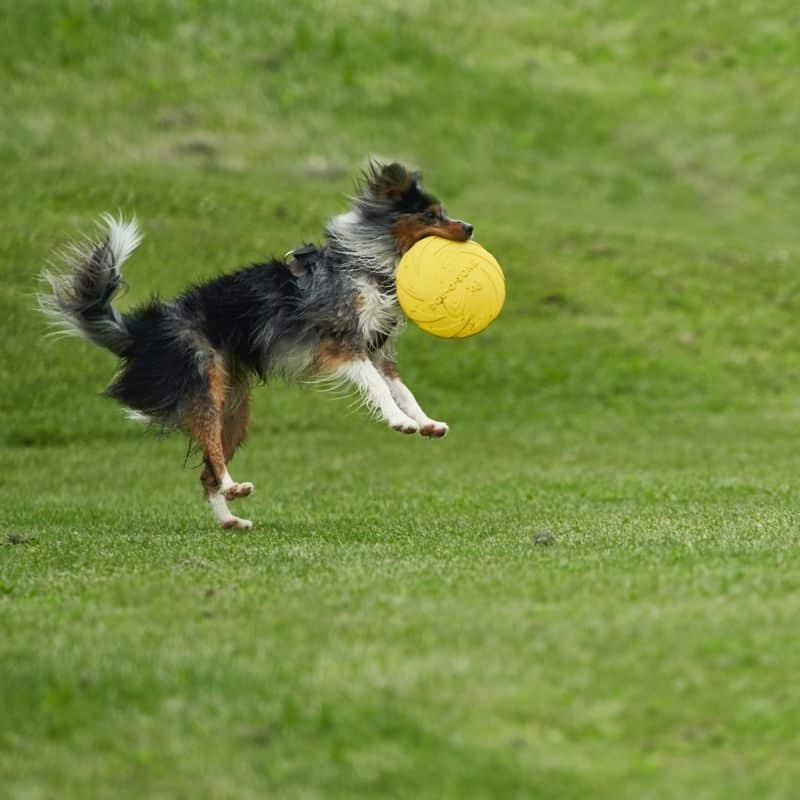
x=591, y=587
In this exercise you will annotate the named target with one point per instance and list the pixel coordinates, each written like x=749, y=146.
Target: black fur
x=83, y=297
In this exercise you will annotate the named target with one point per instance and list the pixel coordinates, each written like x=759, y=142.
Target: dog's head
x=392, y=196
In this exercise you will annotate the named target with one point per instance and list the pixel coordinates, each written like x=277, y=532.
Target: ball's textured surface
x=450, y=289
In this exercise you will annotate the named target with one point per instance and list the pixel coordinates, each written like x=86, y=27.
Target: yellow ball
x=450, y=289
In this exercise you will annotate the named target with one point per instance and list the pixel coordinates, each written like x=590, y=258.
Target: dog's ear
x=389, y=180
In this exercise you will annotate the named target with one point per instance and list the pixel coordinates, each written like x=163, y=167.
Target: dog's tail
x=78, y=295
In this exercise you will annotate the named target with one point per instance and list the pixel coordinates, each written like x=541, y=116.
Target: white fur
x=219, y=507
x=123, y=237
x=222, y=513
x=59, y=324
x=343, y=222
x=226, y=482
x=366, y=246
x=406, y=401
x=136, y=416
x=379, y=312
x=375, y=392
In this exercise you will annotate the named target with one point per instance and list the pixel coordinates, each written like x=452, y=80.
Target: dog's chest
x=377, y=311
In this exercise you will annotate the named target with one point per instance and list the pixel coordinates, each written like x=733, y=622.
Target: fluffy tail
x=79, y=294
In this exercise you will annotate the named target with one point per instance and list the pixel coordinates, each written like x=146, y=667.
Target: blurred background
x=590, y=588
x=634, y=170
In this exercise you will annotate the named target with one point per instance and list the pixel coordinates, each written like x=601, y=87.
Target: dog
x=326, y=312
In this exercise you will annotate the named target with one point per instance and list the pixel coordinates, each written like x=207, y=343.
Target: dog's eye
x=430, y=216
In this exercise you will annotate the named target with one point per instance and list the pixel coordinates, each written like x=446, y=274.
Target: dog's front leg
x=408, y=403
x=363, y=374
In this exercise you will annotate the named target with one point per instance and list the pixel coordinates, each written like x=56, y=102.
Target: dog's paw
x=238, y=490
x=404, y=425
x=237, y=524
x=434, y=429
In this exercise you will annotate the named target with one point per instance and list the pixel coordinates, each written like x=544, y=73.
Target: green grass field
x=591, y=588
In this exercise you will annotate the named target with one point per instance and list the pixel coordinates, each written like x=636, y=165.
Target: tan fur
x=332, y=355
x=205, y=424
x=407, y=232
x=234, y=427
x=389, y=369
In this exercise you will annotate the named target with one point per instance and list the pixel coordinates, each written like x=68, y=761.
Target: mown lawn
x=591, y=588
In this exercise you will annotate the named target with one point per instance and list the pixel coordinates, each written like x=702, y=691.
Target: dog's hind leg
x=205, y=422
x=234, y=430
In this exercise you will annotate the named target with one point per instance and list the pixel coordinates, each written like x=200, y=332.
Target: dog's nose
x=468, y=228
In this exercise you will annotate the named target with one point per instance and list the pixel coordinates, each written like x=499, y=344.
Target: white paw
x=238, y=490
x=403, y=424
x=433, y=428
x=235, y=523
